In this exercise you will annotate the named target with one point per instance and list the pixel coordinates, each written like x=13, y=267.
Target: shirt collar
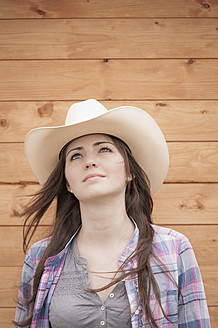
x=130, y=248
x=54, y=260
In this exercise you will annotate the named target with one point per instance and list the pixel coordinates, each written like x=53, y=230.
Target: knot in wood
x=160, y=104
x=16, y=213
x=3, y=123
x=41, y=12
x=105, y=60
x=191, y=61
x=206, y=5
x=45, y=110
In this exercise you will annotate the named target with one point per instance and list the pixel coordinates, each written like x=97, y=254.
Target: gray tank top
x=73, y=307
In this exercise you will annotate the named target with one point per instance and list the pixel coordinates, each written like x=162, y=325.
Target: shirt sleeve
x=24, y=309
x=192, y=311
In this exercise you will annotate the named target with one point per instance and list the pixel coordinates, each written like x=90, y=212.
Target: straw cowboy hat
x=131, y=124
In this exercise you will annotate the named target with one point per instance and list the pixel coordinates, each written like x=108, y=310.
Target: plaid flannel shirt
x=177, y=257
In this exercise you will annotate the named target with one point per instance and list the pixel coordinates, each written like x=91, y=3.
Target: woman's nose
x=90, y=162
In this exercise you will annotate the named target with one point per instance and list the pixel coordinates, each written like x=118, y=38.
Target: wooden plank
x=13, y=200
x=6, y=317
x=186, y=204
x=108, y=79
x=179, y=120
x=14, y=164
x=193, y=162
x=189, y=162
x=12, y=244
x=9, y=285
x=103, y=8
x=110, y=38
x=10, y=279
x=210, y=279
x=213, y=311
x=173, y=204
x=202, y=237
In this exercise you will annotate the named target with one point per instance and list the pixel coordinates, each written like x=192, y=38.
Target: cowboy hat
x=131, y=124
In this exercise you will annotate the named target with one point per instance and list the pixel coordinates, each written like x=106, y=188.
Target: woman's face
x=94, y=168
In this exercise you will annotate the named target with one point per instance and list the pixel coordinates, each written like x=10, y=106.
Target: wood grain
x=9, y=284
x=137, y=79
x=13, y=200
x=201, y=236
x=7, y=315
x=213, y=311
x=157, y=55
x=179, y=120
x=193, y=162
x=102, y=8
x=173, y=204
x=189, y=162
x=186, y=204
x=11, y=242
x=110, y=38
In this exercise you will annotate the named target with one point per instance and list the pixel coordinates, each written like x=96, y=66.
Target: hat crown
x=131, y=124
x=84, y=111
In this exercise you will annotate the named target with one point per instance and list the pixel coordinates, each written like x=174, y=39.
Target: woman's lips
x=94, y=175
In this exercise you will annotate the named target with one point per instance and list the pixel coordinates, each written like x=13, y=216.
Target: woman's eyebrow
x=77, y=148
x=102, y=142
x=95, y=144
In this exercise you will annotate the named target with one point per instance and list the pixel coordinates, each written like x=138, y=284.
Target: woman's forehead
x=89, y=138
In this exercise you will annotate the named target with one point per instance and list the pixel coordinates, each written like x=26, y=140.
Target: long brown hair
x=139, y=205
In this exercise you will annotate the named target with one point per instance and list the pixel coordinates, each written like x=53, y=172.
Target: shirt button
x=102, y=323
x=102, y=308
x=111, y=295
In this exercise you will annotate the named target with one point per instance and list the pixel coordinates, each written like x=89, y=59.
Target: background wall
x=159, y=55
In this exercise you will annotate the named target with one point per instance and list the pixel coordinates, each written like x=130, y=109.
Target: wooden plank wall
x=158, y=55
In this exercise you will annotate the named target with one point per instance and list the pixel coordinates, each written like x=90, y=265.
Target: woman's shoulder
x=37, y=250
x=166, y=238
x=168, y=233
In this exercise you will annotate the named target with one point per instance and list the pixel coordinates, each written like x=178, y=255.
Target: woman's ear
x=68, y=187
x=130, y=177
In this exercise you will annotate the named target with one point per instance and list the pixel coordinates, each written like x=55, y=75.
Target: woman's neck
x=105, y=221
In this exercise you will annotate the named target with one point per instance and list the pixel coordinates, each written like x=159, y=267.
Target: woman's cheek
x=120, y=168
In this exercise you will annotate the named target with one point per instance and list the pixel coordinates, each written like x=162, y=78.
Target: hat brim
x=131, y=124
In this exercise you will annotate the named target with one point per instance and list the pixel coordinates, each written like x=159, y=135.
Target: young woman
x=105, y=264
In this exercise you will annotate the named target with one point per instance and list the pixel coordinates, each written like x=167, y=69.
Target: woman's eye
x=75, y=156
x=104, y=150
